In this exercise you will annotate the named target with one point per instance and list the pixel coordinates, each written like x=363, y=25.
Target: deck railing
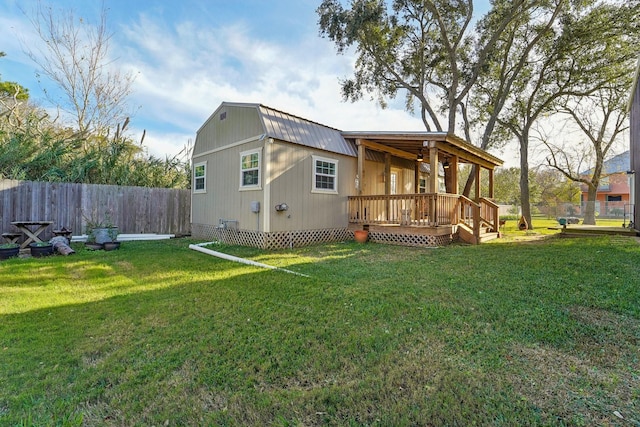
x=467, y=212
x=422, y=209
x=489, y=214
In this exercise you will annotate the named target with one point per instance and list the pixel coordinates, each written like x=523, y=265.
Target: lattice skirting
x=290, y=239
x=276, y=240
x=425, y=240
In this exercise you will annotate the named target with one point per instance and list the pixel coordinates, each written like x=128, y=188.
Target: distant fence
x=132, y=209
x=603, y=209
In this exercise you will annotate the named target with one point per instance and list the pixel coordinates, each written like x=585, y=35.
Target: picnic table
x=32, y=229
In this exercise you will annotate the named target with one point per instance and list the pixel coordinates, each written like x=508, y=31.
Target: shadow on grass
x=378, y=335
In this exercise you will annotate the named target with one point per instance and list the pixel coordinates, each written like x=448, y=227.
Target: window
x=325, y=175
x=250, y=169
x=422, y=185
x=199, y=177
x=394, y=183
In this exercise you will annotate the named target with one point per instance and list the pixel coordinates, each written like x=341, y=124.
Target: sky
x=189, y=56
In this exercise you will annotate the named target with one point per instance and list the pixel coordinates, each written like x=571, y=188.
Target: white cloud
x=187, y=70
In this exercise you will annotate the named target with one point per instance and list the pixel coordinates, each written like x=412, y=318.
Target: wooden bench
x=12, y=237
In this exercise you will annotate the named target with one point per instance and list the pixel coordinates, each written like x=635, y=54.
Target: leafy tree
x=557, y=194
x=608, y=38
x=505, y=185
x=508, y=66
x=431, y=51
x=575, y=61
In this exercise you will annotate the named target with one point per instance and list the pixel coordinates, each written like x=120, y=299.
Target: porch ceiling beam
x=462, y=154
x=385, y=149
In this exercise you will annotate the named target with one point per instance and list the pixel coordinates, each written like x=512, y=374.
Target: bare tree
x=601, y=118
x=75, y=56
x=589, y=50
x=12, y=97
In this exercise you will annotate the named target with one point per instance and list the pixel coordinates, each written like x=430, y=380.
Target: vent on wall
x=223, y=115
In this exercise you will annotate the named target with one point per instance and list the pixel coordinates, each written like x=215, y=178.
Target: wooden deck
x=591, y=230
x=425, y=214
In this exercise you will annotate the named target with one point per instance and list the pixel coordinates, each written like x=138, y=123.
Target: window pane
x=250, y=177
x=325, y=168
x=250, y=161
x=199, y=183
x=199, y=171
x=324, y=182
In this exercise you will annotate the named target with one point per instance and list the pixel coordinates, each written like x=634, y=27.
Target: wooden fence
x=132, y=209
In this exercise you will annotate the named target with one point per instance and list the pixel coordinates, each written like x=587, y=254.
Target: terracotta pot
x=361, y=236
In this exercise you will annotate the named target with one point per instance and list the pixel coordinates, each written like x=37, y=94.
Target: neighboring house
x=634, y=107
x=265, y=178
x=612, y=197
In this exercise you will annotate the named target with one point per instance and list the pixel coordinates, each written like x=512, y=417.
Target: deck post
x=433, y=182
x=387, y=183
x=416, y=190
x=454, y=174
x=478, y=170
x=360, y=175
x=491, y=175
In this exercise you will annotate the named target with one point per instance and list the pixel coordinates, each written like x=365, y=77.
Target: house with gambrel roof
x=266, y=178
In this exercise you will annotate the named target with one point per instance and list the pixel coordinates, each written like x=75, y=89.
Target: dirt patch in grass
x=597, y=383
x=610, y=339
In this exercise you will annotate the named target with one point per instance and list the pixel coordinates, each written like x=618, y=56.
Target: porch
x=407, y=184
x=432, y=218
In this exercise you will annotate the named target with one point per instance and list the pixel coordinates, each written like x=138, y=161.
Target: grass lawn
x=532, y=332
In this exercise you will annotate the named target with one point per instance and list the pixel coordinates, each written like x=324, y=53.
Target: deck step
x=466, y=235
x=485, y=237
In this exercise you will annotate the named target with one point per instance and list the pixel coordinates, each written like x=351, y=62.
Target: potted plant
x=8, y=250
x=40, y=249
x=91, y=243
x=361, y=236
x=100, y=231
x=111, y=246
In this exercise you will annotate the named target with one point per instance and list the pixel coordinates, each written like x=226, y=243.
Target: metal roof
x=290, y=128
x=617, y=164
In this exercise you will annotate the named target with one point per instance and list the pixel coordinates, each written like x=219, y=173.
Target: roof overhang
x=409, y=144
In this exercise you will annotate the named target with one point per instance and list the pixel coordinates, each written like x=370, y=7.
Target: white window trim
x=204, y=177
x=259, y=185
x=315, y=159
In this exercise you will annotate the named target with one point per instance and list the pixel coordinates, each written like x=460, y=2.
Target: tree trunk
x=524, y=178
x=590, y=208
x=470, y=179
